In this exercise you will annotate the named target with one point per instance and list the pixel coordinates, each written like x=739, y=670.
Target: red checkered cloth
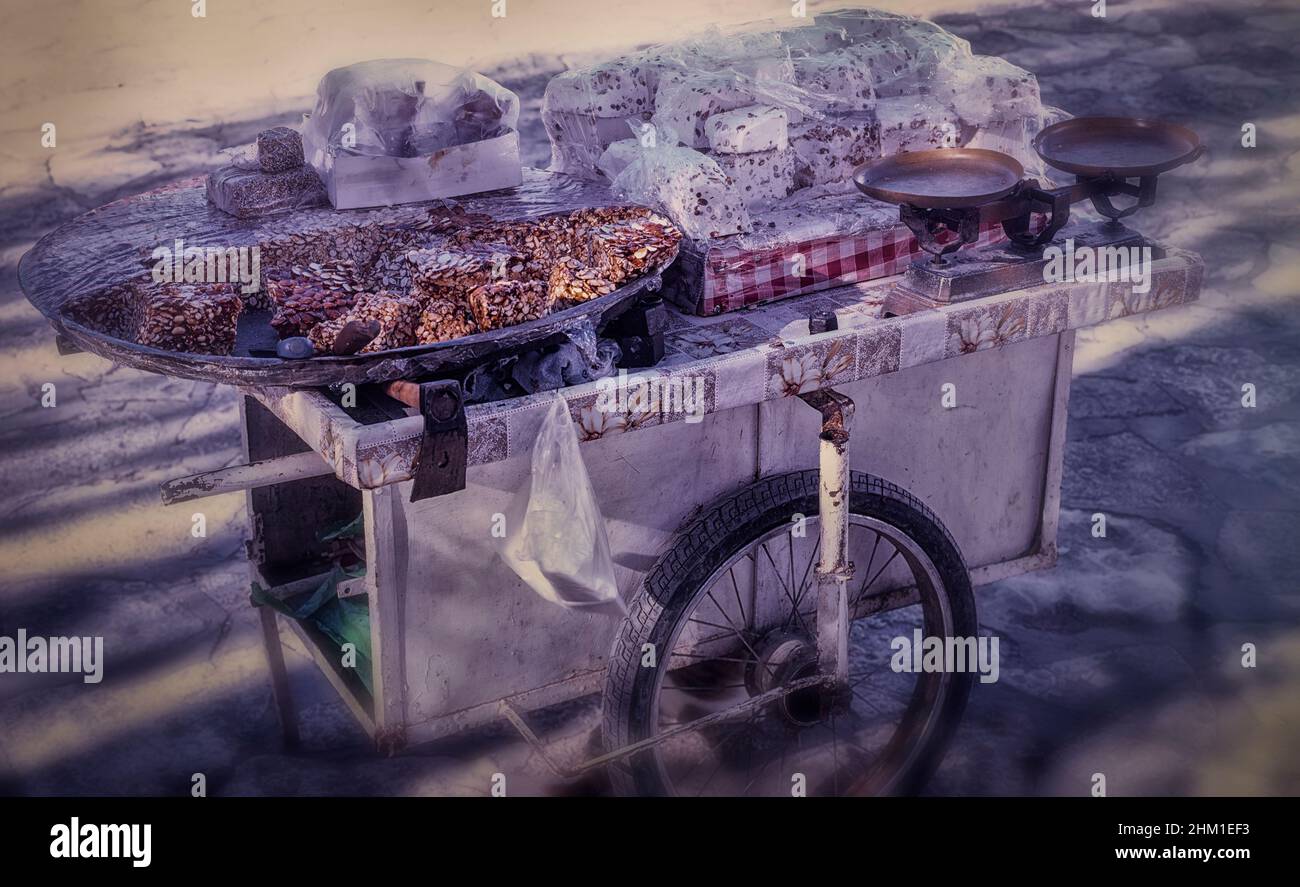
x=727, y=278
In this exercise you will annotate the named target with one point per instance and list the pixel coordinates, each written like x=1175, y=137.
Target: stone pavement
x=1122, y=660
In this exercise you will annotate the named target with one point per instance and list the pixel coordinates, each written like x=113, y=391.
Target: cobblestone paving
x=1123, y=660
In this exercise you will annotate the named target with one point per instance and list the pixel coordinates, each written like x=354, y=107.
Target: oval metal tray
x=412, y=362
x=941, y=178
x=100, y=247
x=1122, y=147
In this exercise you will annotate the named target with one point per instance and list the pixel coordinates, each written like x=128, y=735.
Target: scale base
x=999, y=268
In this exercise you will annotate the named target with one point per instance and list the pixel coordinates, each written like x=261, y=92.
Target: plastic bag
x=342, y=620
x=408, y=107
x=395, y=131
x=555, y=538
x=689, y=187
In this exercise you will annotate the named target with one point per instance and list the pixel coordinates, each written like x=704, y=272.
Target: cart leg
x=834, y=570
x=279, y=678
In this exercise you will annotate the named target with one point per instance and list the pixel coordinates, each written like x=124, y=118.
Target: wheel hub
x=783, y=658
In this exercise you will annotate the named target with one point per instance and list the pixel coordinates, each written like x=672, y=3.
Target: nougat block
x=113, y=311
x=279, y=149
x=626, y=250
x=828, y=151
x=612, y=89
x=305, y=295
x=762, y=178
x=455, y=273
x=691, y=189
x=249, y=194
x=685, y=103
x=572, y=281
x=749, y=129
x=916, y=124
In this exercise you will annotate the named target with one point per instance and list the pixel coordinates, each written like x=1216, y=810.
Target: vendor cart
x=944, y=423
x=786, y=539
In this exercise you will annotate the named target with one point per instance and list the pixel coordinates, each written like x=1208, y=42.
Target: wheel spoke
x=862, y=696
x=704, y=689
x=731, y=571
x=705, y=658
x=872, y=579
x=700, y=621
x=790, y=597
x=803, y=583
x=740, y=637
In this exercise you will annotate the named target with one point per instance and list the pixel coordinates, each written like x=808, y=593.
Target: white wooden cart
x=716, y=678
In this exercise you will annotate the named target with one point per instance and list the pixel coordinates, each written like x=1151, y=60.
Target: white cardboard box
x=354, y=180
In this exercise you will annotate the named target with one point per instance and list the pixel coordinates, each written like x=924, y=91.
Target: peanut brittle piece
x=443, y=320
x=398, y=318
x=503, y=303
x=194, y=318
x=571, y=281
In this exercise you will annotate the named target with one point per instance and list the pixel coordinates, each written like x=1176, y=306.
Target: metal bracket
x=926, y=225
x=640, y=332
x=1056, y=204
x=1144, y=191
x=440, y=466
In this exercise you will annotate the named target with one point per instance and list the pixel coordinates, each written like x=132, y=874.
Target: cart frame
x=302, y=442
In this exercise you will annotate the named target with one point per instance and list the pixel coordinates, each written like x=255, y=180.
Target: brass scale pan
x=960, y=188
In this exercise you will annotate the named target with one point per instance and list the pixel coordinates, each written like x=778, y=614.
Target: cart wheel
x=728, y=614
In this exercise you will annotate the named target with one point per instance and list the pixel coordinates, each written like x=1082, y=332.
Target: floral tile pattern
x=386, y=463
x=487, y=440
x=976, y=327
x=803, y=368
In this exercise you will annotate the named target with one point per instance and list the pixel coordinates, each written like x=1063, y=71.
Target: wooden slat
x=244, y=477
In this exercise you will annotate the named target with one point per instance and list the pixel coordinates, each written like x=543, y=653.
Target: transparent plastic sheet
x=555, y=537
x=408, y=107
x=670, y=126
x=689, y=187
x=394, y=131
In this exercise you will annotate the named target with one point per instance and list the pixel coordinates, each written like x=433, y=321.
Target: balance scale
x=956, y=190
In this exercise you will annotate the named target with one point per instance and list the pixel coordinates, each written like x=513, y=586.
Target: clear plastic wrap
x=829, y=78
x=408, y=107
x=555, y=535
x=689, y=187
x=381, y=130
x=785, y=114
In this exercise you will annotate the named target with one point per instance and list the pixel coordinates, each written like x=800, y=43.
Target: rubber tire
x=704, y=544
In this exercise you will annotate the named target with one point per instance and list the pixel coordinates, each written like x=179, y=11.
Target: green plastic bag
x=342, y=620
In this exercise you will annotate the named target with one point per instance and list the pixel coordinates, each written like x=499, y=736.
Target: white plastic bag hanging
x=555, y=538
